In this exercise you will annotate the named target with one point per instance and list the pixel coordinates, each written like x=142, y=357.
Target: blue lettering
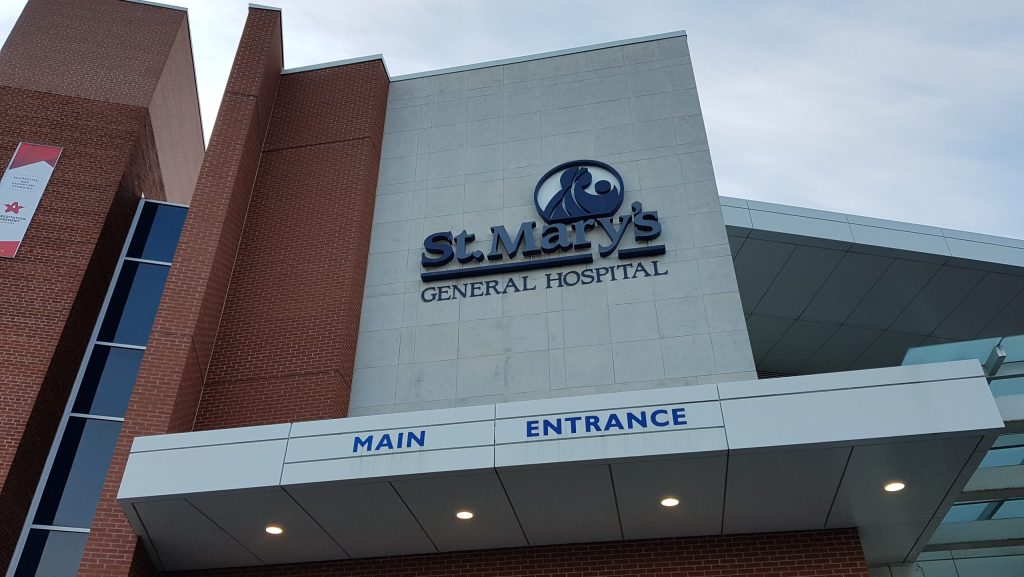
x=572, y=423
x=439, y=244
x=640, y=420
x=384, y=442
x=417, y=439
x=553, y=426
x=679, y=416
x=503, y=241
x=553, y=277
x=511, y=284
x=429, y=294
x=531, y=429
x=366, y=443
x=613, y=421
x=654, y=420
x=406, y=439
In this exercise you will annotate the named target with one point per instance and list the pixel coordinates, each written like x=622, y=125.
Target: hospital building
x=490, y=320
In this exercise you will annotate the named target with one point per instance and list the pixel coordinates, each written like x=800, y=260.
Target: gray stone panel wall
x=464, y=150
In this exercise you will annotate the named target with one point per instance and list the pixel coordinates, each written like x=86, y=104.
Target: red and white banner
x=21, y=189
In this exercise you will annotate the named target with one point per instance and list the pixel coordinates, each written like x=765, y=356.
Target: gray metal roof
x=825, y=291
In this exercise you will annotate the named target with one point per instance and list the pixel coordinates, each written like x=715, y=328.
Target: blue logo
x=583, y=189
x=573, y=198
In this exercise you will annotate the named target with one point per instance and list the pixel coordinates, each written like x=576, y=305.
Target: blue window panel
x=966, y=512
x=51, y=554
x=73, y=487
x=108, y=381
x=134, y=303
x=1003, y=457
x=1004, y=387
x=1010, y=510
x=958, y=351
x=1014, y=347
x=1009, y=440
x=157, y=231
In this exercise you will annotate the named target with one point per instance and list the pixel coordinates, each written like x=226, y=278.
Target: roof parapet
x=541, y=55
x=336, y=63
x=158, y=5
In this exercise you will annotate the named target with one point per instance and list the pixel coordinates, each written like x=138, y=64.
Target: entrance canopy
x=796, y=453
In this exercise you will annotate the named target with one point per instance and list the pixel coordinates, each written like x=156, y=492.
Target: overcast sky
x=910, y=110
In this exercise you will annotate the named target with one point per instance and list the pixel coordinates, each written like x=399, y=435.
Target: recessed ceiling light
x=894, y=487
x=464, y=515
x=274, y=530
x=669, y=502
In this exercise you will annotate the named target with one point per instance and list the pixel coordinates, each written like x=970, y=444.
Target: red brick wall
x=52, y=91
x=286, y=343
x=809, y=554
x=174, y=113
x=121, y=52
x=170, y=380
x=104, y=50
x=55, y=286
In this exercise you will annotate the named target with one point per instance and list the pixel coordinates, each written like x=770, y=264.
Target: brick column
x=80, y=74
x=170, y=380
x=287, y=338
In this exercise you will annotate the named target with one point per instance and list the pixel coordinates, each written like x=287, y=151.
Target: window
x=1010, y=510
x=967, y=512
x=108, y=381
x=134, y=303
x=958, y=351
x=1004, y=387
x=76, y=479
x=157, y=232
x=1014, y=347
x=1005, y=457
x=985, y=511
x=51, y=553
x=53, y=541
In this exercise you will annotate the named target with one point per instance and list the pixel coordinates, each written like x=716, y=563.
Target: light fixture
x=894, y=487
x=464, y=515
x=274, y=530
x=669, y=502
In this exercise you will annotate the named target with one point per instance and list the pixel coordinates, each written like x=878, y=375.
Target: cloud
x=902, y=116
x=901, y=110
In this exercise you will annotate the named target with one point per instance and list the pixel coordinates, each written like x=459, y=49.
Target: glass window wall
x=72, y=482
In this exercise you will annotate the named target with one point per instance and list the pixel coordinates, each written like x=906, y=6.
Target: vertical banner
x=21, y=189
